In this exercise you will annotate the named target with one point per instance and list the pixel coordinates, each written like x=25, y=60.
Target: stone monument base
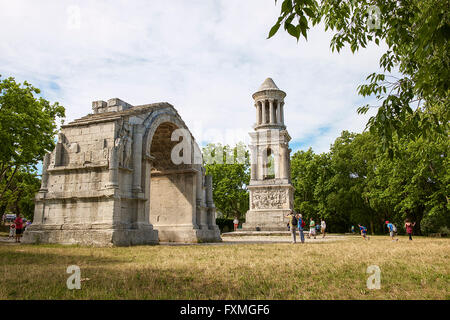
x=91, y=237
x=266, y=220
x=187, y=234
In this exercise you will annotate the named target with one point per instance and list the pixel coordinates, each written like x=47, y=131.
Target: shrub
x=225, y=224
x=435, y=224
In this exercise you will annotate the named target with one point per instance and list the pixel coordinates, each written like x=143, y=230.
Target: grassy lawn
x=334, y=270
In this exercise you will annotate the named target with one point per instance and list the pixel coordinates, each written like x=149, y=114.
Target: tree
x=416, y=33
x=19, y=197
x=27, y=129
x=230, y=170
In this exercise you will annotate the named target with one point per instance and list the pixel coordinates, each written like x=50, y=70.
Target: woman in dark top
x=409, y=228
x=19, y=227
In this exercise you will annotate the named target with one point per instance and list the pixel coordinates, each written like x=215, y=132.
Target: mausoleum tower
x=271, y=191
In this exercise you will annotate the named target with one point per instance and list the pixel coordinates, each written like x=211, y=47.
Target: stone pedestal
x=269, y=205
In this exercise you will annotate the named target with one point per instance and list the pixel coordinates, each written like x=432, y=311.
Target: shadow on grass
x=13, y=256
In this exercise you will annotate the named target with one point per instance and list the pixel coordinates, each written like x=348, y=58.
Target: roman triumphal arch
x=124, y=175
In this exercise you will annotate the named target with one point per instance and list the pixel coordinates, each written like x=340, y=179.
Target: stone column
x=288, y=164
x=277, y=160
x=209, y=191
x=209, y=200
x=59, y=156
x=260, y=109
x=113, y=169
x=281, y=112
x=45, y=164
x=253, y=161
x=263, y=107
x=278, y=112
x=137, y=158
x=285, y=160
x=199, y=181
x=147, y=185
x=258, y=118
x=271, y=117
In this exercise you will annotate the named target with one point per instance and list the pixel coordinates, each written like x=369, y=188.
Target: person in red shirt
x=409, y=228
x=19, y=227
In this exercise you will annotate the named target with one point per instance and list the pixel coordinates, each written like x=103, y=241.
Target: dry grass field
x=331, y=270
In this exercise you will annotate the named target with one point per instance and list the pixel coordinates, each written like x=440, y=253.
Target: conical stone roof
x=268, y=84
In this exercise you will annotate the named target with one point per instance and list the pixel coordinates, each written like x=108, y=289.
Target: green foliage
x=416, y=33
x=28, y=124
x=356, y=183
x=230, y=170
x=19, y=197
x=225, y=224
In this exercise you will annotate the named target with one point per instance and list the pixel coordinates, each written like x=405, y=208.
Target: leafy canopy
x=416, y=33
x=28, y=126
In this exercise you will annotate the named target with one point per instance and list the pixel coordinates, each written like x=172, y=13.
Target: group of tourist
x=296, y=222
x=17, y=227
x=392, y=230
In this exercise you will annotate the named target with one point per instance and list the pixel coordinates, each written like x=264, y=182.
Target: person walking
x=392, y=230
x=19, y=227
x=409, y=228
x=363, y=232
x=300, y=225
x=235, y=223
x=12, y=230
x=323, y=226
x=312, y=228
x=292, y=225
x=353, y=229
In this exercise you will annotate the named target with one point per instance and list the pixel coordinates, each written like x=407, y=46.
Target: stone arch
x=155, y=119
x=268, y=163
x=177, y=205
x=109, y=155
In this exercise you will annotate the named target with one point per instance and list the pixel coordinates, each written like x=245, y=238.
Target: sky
x=206, y=58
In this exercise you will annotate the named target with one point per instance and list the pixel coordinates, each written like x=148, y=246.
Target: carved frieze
x=269, y=198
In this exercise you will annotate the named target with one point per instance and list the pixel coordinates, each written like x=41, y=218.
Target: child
x=312, y=229
x=12, y=230
x=392, y=230
x=235, y=223
x=363, y=232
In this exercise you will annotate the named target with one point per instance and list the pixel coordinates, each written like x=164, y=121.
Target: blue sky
x=206, y=58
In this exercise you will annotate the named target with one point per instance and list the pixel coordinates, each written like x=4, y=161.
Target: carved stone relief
x=268, y=199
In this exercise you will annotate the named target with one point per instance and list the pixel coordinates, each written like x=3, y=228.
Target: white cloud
x=204, y=57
